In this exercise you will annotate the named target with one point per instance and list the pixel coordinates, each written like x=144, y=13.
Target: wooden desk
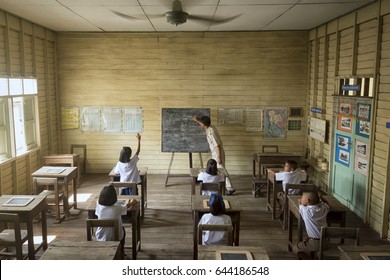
x=26, y=215
x=271, y=158
x=276, y=187
x=337, y=214
x=133, y=213
x=72, y=160
x=82, y=250
x=207, y=252
x=68, y=175
x=197, y=209
x=354, y=252
x=143, y=173
x=194, y=172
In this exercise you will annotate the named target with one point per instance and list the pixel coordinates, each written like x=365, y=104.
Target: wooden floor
x=166, y=231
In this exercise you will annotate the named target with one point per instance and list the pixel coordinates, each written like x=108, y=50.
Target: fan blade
x=213, y=20
x=125, y=16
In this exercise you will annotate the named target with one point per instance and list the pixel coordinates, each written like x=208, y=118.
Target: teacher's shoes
x=230, y=192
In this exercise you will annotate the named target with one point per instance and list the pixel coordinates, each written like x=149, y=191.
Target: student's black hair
x=125, y=154
x=217, y=206
x=211, y=167
x=293, y=164
x=205, y=120
x=314, y=198
x=108, y=196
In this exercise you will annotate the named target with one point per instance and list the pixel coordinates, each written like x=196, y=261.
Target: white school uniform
x=208, y=178
x=293, y=177
x=109, y=212
x=214, y=237
x=128, y=171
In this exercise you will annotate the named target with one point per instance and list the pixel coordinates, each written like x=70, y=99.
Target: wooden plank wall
x=356, y=44
x=27, y=49
x=190, y=70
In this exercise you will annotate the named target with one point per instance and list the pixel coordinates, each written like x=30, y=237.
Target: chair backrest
x=118, y=185
x=228, y=229
x=44, y=182
x=328, y=234
x=270, y=148
x=211, y=187
x=9, y=239
x=94, y=223
x=80, y=149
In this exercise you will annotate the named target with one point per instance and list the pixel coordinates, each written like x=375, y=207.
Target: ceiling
x=148, y=15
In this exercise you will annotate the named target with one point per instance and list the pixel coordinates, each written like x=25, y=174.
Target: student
x=216, y=147
x=106, y=208
x=211, y=175
x=290, y=175
x=127, y=167
x=216, y=216
x=314, y=210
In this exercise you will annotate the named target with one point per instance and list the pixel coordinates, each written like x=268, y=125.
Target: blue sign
x=388, y=125
x=316, y=110
x=351, y=87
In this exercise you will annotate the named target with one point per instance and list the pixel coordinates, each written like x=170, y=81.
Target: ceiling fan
x=177, y=16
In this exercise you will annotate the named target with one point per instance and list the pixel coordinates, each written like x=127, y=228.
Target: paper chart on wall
x=253, y=119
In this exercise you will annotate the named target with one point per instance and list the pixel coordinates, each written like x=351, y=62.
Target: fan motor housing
x=176, y=17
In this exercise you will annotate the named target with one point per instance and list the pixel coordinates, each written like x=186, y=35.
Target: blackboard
x=180, y=133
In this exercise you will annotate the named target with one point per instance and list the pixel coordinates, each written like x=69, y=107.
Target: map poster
x=275, y=122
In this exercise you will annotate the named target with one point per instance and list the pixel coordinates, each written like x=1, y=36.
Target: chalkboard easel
x=178, y=175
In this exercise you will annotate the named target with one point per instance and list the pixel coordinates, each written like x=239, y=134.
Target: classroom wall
x=27, y=49
x=355, y=44
x=181, y=70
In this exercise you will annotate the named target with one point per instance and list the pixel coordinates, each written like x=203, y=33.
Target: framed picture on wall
x=361, y=148
x=345, y=108
x=343, y=157
x=363, y=128
x=343, y=142
x=363, y=111
x=361, y=165
x=344, y=123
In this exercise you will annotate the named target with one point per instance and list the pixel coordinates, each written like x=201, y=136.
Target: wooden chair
x=228, y=229
x=95, y=223
x=118, y=185
x=303, y=187
x=54, y=197
x=212, y=188
x=12, y=238
x=328, y=249
x=80, y=149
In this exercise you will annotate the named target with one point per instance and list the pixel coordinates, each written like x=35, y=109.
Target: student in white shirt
x=210, y=175
x=216, y=216
x=127, y=167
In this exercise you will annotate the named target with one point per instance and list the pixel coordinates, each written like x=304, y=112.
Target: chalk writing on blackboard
x=180, y=133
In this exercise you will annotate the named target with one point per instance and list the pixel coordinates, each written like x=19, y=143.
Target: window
x=18, y=118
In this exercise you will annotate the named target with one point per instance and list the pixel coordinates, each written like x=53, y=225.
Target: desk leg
x=44, y=229
x=237, y=231
x=195, y=236
x=134, y=235
x=30, y=236
x=300, y=229
x=193, y=185
x=274, y=200
x=75, y=192
x=143, y=197
x=138, y=232
x=268, y=195
x=253, y=168
x=290, y=229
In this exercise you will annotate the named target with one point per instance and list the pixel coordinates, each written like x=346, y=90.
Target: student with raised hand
x=216, y=216
x=127, y=167
x=216, y=147
x=314, y=210
x=210, y=175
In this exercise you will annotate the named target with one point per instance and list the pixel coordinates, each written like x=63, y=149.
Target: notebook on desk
x=233, y=255
x=18, y=201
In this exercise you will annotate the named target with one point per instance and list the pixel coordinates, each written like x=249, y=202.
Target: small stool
x=257, y=185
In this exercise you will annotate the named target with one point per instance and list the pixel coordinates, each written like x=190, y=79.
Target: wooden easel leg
x=169, y=168
x=201, y=160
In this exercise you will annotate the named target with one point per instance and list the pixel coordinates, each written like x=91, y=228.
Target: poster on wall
x=253, y=119
x=343, y=148
x=363, y=111
x=317, y=129
x=345, y=108
x=275, y=122
x=361, y=157
x=344, y=123
x=363, y=128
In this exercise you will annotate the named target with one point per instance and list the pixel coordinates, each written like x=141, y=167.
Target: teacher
x=216, y=148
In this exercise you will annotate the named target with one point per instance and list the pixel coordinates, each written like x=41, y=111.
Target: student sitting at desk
x=127, y=167
x=314, y=210
x=216, y=216
x=211, y=175
x=106, y=208
x=290, y=175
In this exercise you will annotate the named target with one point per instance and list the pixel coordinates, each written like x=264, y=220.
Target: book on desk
x=233, y=255
x=18, y=201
